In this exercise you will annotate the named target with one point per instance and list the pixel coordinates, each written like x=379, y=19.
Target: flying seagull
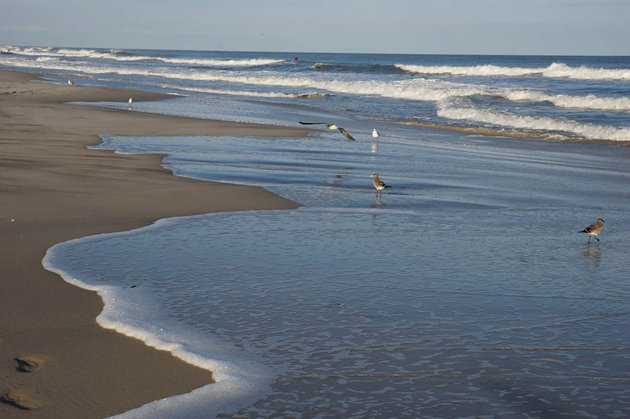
x=375, y=134
x=594, y=229
x=379, y=185
x=331, y=126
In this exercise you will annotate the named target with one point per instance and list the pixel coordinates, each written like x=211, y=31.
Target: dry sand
x=55, y=189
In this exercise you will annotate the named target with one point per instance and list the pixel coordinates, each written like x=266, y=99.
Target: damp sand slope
x=53, y=189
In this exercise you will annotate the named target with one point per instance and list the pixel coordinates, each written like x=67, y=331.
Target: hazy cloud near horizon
x=578, y=27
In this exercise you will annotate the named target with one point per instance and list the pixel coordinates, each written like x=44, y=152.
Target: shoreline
x=56, y=189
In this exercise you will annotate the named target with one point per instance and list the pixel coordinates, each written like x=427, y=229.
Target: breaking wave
x=121, y=55
x=575, y=129
x=568, y=101
x=417, y=89
x=558, y=70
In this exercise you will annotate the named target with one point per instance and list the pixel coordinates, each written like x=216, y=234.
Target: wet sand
x=53, y=189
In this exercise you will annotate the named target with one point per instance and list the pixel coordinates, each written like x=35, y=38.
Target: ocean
x=545, y=97
x=465, y=290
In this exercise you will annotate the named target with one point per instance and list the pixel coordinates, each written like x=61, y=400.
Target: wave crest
x=555, y=70
x=574, y=129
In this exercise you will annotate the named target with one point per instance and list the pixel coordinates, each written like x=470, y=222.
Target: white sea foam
x=44, y=59
x=305, y=95
x=115, y=55
x=554, y=70
x=568, y=101
x=417, y=89
x=239, y=380
x=510, y=120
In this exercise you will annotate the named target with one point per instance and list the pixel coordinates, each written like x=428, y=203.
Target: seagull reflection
x=377, y=204
x=593, y=254
x=374, y=147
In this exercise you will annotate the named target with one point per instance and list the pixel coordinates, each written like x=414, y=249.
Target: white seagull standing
x=331, y=126
x=70, y=82
x=375, y=134
x=130, y=102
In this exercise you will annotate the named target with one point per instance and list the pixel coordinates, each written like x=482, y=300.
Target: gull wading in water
x=130, y=102
x=379, y=185
x=375, y=134
x=594, y=229
x=331, y=126
x=70, y=82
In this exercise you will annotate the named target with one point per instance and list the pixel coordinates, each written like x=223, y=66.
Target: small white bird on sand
x=594, y=229
x=375, y=134
x=379, y=185
x=70, y=82
x=331, y=126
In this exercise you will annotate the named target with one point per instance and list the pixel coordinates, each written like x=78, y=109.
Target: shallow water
x=466, y=291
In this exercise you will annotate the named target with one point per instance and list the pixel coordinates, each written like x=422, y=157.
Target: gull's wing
x=345, y=134
x=591, y=228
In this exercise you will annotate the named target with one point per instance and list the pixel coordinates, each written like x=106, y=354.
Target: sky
x=537, y=27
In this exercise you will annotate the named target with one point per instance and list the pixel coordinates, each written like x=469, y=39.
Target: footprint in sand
x=28, y=363
x=19, y=398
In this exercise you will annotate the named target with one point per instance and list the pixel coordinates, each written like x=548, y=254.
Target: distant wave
x=44, y=59
x=416, y=89
x=356, y=68
x=281, y=95
x=567, y=101
x=121, y=55
x=558, y=70
x=449, y=110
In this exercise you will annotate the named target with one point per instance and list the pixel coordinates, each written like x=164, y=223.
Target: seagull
x=379, y=185
x=130, y=102
x=375, y=134
x=594, y=229
x=70, y=82
x=331, y=126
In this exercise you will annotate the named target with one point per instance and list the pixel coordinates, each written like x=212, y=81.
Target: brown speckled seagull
x=379, y=185
x=594, y=229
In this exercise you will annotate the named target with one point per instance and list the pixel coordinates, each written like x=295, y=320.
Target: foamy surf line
x=417, y=89
x=551, y=126
x=116, y=56
x=239, y=380
x=557, y=70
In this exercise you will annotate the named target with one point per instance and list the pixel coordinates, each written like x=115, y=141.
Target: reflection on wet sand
x=593, y=254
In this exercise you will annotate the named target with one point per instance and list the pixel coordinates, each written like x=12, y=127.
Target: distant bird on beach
x=331, y=126
x=379, y=185
x=70, y=82
x=375, y=134
x=594, y=229
x=130, y=102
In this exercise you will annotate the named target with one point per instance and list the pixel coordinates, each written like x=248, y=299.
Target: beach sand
x=53, y=189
